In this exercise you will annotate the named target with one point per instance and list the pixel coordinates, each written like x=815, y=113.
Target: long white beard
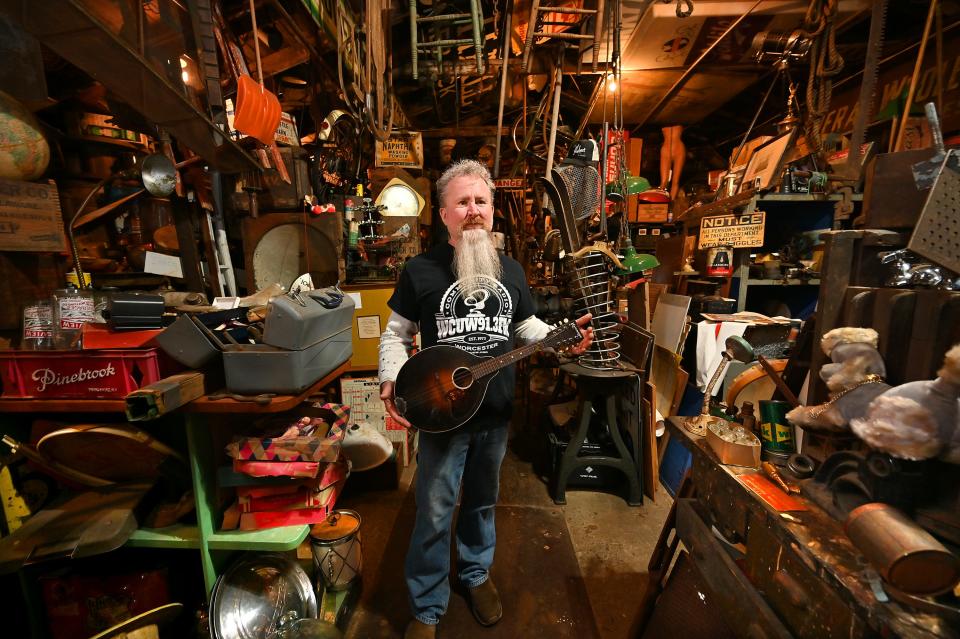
x=474, y=256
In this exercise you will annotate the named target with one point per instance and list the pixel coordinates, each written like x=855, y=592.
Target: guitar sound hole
x=462, y=378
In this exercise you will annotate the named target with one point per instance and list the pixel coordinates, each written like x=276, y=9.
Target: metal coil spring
x=591, y=282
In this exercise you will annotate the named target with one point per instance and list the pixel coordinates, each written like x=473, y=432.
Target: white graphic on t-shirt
x=476, y=301
x=475, y=320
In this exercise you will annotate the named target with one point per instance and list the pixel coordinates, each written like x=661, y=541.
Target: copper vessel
x=907, y=556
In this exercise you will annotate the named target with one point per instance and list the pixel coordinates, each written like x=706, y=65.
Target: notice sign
x=738, y=231
x=404, y=149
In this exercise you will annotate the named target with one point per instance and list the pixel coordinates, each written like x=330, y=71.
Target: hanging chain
x=825, y=63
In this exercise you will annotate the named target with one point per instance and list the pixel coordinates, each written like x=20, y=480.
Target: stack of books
x=293, y=478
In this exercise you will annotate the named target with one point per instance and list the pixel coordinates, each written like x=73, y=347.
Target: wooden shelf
x=781, y=282
x=269, y=539
x=738, y=201
x=278, y=404
x=62, y=405
x=175, y=536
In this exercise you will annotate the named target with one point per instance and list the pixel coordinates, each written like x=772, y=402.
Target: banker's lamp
x=159, y=177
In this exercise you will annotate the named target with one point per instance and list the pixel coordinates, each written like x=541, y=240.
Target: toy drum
x=337, y=556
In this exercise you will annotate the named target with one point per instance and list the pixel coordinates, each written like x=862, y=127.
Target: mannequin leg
x=666, y=159
x=678, y=155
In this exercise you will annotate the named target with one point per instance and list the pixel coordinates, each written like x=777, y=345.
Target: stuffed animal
x=854, y=378
x=917, y=420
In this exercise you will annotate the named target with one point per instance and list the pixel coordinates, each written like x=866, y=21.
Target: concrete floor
x=611, y=543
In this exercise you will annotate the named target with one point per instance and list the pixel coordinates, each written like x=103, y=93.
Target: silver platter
x=258, y=594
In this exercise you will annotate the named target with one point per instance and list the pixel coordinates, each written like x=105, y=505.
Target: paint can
x=720, y=261
x=337, y=555
x=776, y=433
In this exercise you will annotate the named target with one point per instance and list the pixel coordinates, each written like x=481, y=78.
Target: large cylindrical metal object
x=905, y=555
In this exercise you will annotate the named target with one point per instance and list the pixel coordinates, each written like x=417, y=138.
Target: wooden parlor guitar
x=441, y=387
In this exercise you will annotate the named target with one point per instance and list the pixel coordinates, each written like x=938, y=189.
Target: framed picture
x=763, y=170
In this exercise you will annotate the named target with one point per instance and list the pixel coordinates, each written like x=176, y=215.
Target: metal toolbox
x=304, y=339
x=260, y=368
x=299, y=322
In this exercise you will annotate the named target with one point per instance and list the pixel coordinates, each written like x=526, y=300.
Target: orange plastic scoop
x=258, y=111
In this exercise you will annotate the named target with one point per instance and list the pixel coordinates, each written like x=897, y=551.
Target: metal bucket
x=337, y=554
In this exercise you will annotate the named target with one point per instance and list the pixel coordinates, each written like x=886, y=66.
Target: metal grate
x=583, y=185
x=937, y=234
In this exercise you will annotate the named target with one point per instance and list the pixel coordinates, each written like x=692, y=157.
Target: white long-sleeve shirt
x=397, y=341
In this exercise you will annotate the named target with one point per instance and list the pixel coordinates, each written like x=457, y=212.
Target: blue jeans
x=443, y=461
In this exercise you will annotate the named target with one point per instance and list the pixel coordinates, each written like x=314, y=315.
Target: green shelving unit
x=216, y=547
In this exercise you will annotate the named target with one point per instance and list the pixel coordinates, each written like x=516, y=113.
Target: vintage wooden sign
x=893, y=83
x=30, y=218
x=738, y=231
x=404, y=149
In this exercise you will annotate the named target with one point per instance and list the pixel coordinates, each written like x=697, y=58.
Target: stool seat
x=601, y=388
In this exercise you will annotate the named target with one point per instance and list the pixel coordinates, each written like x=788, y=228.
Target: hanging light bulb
x=611, y=83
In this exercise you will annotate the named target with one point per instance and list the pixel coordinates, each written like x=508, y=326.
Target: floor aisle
x=563, y=571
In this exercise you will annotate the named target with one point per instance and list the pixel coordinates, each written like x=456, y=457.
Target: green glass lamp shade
x=632, y=184
x=636, y=184
x=634, y=262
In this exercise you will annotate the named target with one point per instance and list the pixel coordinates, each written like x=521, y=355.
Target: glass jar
x=37, y=326
x=72, y=308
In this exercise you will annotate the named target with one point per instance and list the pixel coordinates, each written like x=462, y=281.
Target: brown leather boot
x=418, y=630
x=485, y=602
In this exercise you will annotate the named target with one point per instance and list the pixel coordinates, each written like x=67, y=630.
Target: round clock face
x=280, y=256
x=399, y=199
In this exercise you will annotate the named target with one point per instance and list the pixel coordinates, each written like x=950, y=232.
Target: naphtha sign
x=738, y=231
x=404, y=149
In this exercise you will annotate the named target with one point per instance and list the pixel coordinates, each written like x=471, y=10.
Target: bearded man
x=463, y=294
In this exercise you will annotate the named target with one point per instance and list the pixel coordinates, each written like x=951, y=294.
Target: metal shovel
x=925, y=173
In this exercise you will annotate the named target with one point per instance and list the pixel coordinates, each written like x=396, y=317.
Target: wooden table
x=779, y=578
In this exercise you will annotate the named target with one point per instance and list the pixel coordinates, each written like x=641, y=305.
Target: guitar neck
x=490, y=366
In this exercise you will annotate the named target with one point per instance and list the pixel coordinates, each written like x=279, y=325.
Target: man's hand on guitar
x=584, y=324
x=386, y=395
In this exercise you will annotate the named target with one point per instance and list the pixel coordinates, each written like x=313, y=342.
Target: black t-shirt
x=479, y=322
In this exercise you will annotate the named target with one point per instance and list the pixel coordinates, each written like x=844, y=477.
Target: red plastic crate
x=77, y=374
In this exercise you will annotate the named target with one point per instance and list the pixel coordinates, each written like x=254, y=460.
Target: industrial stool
x=608, y=385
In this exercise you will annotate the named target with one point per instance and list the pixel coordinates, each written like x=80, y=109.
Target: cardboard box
x=30, y=218
x=647, y=213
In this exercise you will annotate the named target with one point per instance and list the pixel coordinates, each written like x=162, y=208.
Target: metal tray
x=258, y=594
